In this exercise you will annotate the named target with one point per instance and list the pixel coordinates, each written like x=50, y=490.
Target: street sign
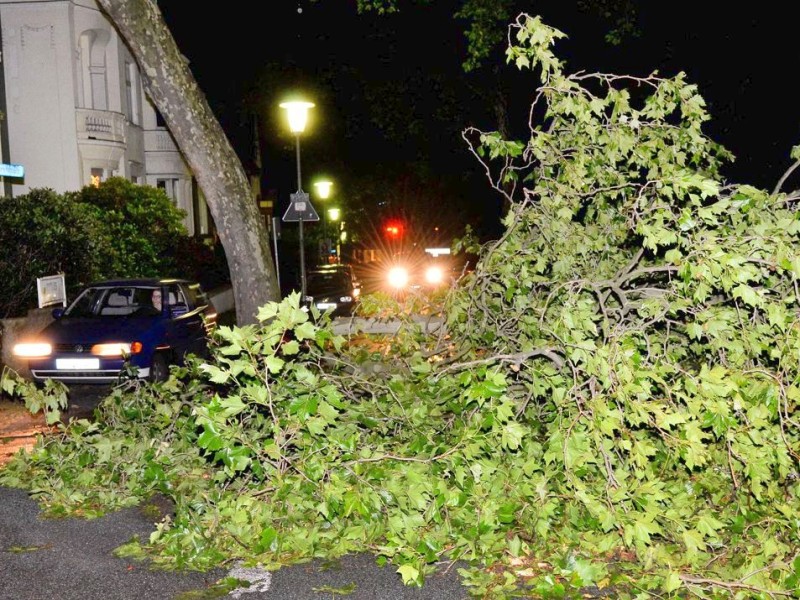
x=300, y=209
x=11, y=170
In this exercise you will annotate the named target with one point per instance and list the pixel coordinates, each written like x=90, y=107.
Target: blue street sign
x=9, y=170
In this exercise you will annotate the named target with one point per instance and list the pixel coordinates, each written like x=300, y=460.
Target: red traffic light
x=393, y=229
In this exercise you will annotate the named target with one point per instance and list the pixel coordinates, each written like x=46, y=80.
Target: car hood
x=92, y=330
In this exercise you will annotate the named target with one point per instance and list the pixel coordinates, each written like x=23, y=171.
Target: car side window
x=176, y=301
x=196, y=295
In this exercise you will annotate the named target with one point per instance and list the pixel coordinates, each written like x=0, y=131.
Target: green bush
x=142, y=223
x=43, y=233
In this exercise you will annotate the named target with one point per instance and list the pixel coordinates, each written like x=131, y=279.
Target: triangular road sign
x=300, y=208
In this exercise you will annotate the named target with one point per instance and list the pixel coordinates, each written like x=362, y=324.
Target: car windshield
x=113, y=301
x=325, y=283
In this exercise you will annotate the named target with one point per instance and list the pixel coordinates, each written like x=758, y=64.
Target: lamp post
x=334, y=214
x=297, y=112
x=324, y=192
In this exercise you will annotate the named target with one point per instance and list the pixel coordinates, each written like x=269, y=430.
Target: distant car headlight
x=32, y=349
x=434, y=275
x=345, y=298
x=398, y=277
x=117, y=349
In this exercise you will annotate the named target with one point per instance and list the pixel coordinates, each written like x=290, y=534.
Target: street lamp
x=297, y=112
x=324, y=192
x=334, y=214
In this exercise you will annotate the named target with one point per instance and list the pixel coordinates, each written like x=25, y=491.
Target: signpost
x=299, y=210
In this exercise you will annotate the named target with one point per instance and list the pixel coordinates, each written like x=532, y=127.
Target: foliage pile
x=614, y=405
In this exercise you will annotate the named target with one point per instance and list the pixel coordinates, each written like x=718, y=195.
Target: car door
x=181, y=323
x=188, y=313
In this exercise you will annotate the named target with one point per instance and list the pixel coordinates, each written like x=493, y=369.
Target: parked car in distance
x=333, y=290
x=143, y=324
x=343, y=268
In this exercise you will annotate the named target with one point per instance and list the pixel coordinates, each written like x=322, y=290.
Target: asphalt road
x=72, y=559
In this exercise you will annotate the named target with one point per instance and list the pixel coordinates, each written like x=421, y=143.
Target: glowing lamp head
x=323, y=189
x=297, y=111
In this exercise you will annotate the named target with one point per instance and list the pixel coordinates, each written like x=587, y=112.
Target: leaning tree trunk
x=172, y=87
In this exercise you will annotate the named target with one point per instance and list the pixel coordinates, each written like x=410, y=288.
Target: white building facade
x=74, y=112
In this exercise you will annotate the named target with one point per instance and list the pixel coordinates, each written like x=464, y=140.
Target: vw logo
x=78, y=348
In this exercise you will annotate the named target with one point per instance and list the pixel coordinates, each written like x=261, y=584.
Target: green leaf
x=672, y=582
x=274, y=364
x=409, y=574
x=290, y=348
x=512, y=435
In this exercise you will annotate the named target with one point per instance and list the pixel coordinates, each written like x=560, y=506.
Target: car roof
x=334, y=267
x=328, y=272
x=138, y=281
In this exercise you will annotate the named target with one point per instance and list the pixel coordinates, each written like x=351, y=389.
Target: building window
x=202, y=218
x=96, y=177
x=170, y=187
x=132, y=92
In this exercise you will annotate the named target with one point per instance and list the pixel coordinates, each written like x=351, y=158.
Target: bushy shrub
x=142, y=222
x=43, y=233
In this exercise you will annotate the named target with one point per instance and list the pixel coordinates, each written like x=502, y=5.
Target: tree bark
x=171, y=86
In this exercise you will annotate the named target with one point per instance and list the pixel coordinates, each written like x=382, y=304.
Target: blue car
x=118, y=326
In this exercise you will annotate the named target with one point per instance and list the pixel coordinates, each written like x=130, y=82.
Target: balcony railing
x=101, y=125
x=159, y=140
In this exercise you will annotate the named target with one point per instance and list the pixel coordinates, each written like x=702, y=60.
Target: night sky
x=390, y=91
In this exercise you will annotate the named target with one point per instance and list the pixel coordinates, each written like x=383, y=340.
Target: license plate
x=77, y=363
x=326, y=305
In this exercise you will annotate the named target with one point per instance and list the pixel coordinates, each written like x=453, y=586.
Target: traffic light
x=393, y=229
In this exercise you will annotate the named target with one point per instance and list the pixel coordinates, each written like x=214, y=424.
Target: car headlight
x=345, y=298
x=117, y=349
x=398, y=277
x=32, y=349
x=434, y=275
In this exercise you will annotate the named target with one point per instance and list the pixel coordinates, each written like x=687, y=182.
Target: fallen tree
x=613, y=404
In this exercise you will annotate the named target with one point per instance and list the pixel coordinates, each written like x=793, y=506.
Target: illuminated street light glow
x=323, y=189
x=297, y=112
x=334, y=214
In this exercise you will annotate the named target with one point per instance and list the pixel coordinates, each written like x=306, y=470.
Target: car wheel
x=159, y=370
